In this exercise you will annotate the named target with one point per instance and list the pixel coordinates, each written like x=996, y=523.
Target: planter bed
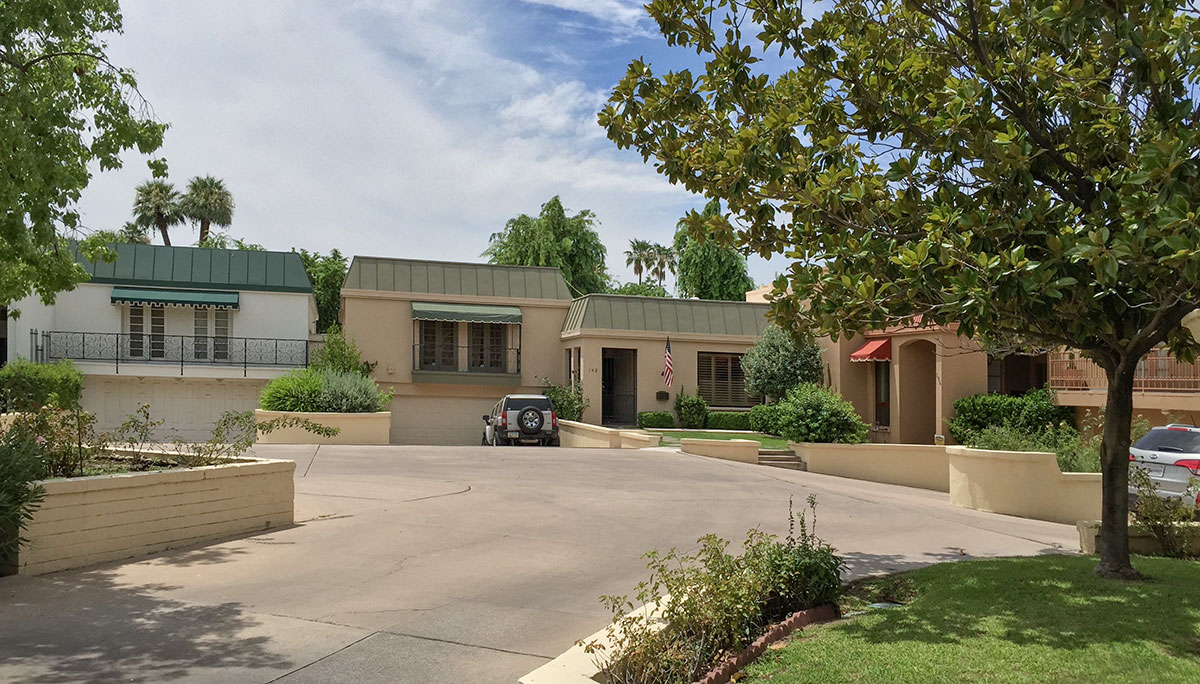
x=353, y=428
x=88, y=520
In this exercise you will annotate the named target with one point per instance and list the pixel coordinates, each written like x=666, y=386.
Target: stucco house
x=451, y=338
x=193, y=332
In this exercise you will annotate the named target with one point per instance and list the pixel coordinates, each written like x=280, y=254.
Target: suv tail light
x=554, y=419
x=1131, y=457
x=1192, y=464
x=504, y=419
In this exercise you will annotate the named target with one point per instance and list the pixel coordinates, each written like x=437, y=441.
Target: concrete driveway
x=449, y=564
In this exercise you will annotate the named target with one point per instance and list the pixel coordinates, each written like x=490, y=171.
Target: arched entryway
x=916, y=365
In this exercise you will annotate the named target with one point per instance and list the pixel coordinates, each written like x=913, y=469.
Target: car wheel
x=531, y=420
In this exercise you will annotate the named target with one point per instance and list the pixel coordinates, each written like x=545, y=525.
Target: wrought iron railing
x=1158, y=371
x=182, y=350
x=466, y=359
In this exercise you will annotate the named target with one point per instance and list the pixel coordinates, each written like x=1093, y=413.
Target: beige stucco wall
x=188, y=407
x=649, y=346
x=1141, y=540
x=741, y=450
x=353, y=428
x=448, y=410
x=1025, y=484
x=90, y=520
x=585, y=435
x=910, y=465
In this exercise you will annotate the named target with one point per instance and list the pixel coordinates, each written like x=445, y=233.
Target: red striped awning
x=874, y=350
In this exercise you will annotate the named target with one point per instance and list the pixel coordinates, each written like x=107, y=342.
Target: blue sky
x=396, y=128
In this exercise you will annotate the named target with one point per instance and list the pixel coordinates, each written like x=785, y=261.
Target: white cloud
x=624, y=16
x=376, y=130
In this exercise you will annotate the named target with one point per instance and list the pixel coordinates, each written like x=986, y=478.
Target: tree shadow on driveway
x=85, y=627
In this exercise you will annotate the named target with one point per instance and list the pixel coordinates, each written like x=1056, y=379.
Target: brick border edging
x=722, y=673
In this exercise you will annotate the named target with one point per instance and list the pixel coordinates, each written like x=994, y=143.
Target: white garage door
x=188, y=406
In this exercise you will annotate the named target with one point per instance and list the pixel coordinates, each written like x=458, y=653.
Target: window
x=486, y=347
x=720, y=381
x=215, y=336
x=883, y=393
x=147, y=329
x=437, y=348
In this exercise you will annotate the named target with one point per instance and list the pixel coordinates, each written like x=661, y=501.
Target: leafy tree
x=129, y=233
x=217, y=240
x=638, y=257
x=326, y=273
x=207, y=202
x=65, y=110
x=568, y=243
x=639, y=290
x=662, y=259
x=1029, y=170
x=707, y=269
x=778, y=362
x=157, y=207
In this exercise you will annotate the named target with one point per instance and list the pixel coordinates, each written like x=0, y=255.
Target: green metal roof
x=467, y=313
x=657, y=314
x=144, y=295
x=451, y=278
x=201, y=268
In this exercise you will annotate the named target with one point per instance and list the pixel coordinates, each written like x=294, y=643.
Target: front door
x=618, y=391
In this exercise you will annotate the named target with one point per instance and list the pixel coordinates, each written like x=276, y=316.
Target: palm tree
x=638, y=256
x=662, y=259
x=208, y=202
x=157, y=206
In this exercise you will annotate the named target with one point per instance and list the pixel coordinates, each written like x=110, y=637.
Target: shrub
x=234, y=433
x=777, y=362
x=340, y=355
x=765, y=418
x=1031, y=412
x=569, y=402
x=811, y=413
x=1165, y=518
x=1076, y=451
x=20, y=467
x=729, y=420
x=655, y=419
x=28, y=386
x=715, y=603
x=691, y=409
x=320, y=390
x=66, y=440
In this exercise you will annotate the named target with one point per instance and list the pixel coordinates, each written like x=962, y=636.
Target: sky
x=396, y=128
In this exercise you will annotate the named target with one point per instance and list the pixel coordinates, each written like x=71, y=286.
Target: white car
x=1171, y=457
x=521, y=419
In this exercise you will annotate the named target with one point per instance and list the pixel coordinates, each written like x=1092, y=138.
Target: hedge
x=313, y=390
x=691, y=409
x=812, y=413
x=1031, y=413
x=28, y=386
x=729, y=420
x=655, y=419
x=765, y=418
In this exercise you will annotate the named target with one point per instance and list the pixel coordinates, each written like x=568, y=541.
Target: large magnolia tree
x=1030, y=170
x=66, y=111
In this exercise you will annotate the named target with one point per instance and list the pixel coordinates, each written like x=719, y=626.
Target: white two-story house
x=192, y=332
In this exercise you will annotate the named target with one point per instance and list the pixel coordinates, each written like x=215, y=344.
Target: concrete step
x=791, y=462
x=776, y=452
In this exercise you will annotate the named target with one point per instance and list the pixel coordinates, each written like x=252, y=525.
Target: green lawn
x=672, y=437
x=1045, y=619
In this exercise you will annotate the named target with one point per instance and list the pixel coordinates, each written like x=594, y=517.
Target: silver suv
x=521, y=419
x=1170, y=456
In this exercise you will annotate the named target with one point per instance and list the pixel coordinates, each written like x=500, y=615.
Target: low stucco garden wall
x=1140, y=539
x=1025, y=484
x=741, y=450
x=354, y=428
x=909, y=465
x=89, y=520
x=575, y=434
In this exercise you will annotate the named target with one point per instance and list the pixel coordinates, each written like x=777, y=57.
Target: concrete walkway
x=449, y=564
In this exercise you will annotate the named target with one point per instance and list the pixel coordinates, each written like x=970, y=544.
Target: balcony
x=463, y=364
x=123, y=349
x=1158, y=373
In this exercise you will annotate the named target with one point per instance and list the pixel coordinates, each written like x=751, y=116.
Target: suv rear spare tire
x=530, y=419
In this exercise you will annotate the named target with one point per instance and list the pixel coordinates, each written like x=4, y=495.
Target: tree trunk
x=162, y=229
x=1114, y=467
x=203, y=230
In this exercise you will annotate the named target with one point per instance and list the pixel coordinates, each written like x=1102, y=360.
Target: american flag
x=668, y=371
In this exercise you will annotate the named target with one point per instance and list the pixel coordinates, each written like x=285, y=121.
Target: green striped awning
x=466, y=313
x=165, y=297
